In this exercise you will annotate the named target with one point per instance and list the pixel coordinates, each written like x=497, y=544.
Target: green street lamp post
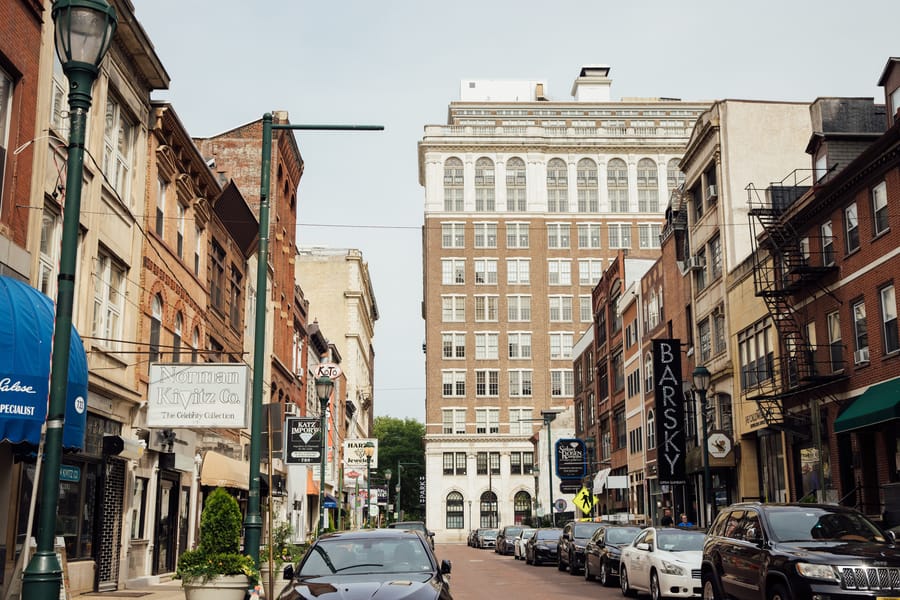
x=84, y=31
x=387, y=514
x=548, y=418
x=253, y=519
x=399, y=488
x=324, y=386
x=370, y=452
x=701, y=378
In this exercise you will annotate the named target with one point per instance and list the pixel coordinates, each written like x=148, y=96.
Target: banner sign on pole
x=303, y=441
x=670, y=434
x=570, y=459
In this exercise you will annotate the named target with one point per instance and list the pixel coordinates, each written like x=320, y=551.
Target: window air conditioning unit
x=861, y=356
x=696, y=263
x=712, y=193
x=290, y=409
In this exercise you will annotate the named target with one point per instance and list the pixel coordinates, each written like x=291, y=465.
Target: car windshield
x=526, y=533
x=490, y=533
x=357, y=556
x=621, y=535
x=815, y=524
x=547, y=534
x=512, y=532
x=679, y=541
x=586, y=530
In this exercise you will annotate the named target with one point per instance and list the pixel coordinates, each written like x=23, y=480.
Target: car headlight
x=812, y=571
x=671, y=568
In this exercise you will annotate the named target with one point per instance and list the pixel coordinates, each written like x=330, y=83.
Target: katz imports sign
x=302, y=441
x=194, y=396
x=669, y=395
x=570, y=459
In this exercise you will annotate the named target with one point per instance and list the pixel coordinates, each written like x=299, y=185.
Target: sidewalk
x=169, y=590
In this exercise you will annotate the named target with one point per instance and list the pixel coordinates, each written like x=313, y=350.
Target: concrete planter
x=223, y=587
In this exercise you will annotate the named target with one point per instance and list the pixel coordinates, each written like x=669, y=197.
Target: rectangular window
x=449, y=460
x=118, y=142
x=518, y=308
x=704, y=335
x=889, y=320
x=561, y=345
x=487, y=383
x=836, y=348
x=198, y=249
x=453, y=309
x=217, y=279
x=454, y=383
x=485, y=271
x=619, y=235
x=879, y=208
x=51, y=237
x=557, y=235
x=588, y=235
x=453, y=345
x=560, y=309
x=486, y=344
x=460, y=464
x=487, y=420
x=621, y=431
x=453, y=271
x=584, y=309
x=485, y=235
x=518, y=271
x=453, y=235
x=517, y=235
x=520, y=383
x=519, y=344
x=648, y=235
x=562, y=383
x=162, y=187
x=519, y=421
x=700, y=274
x=851, y=227
x=139, y=507
x=454, y=420
x=715, y=257
x=860, y=333
x=235, y=302
x=59, y=102
x=179, y=232
x=719, y=331
x=486, y=308
x=827, y=245
x=481, y=463
x=756, y=355
x=515, y=463
x=589, y=271
x=109, y=300
x=559, y=272
x=618, y=370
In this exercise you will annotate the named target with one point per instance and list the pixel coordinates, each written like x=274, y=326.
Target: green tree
x=402, y=441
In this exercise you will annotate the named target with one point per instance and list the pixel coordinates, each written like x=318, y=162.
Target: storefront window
x=138, y=508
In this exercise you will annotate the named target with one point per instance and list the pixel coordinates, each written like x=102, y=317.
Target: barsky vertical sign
x=670, y=433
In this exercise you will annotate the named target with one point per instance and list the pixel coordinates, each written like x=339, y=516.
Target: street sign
x=570, y=459
x=719, y=444
x=560, y=504
x=330, y=370
x=303, y=441
x=585, y=500
x=569, y=486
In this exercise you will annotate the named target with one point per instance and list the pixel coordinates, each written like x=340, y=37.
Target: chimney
x=593, y=84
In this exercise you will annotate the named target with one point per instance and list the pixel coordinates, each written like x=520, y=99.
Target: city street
x=481, y=574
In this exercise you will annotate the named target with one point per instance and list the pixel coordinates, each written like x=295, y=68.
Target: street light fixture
x=400, y=465
x=84, y=31
x=324, y=385
x=387, y=514
x=547, y=417
x=370, y=452
x=701, y=379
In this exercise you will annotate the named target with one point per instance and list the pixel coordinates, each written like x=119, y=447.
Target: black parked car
x=415, y=526
x=571, y=543
x=368, y=563
x=541, y=547
x=601, y=555
x=506, y=539
x=796, y=552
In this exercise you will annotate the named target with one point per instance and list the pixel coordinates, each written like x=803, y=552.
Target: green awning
x=879, y=403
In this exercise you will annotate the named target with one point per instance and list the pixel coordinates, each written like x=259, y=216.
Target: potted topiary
x=216, y=570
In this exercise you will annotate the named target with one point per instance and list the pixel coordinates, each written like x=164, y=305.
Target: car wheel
x=559, y=562
x=779, y=592
x=587, y=570
x=655, y=594
x=623, y=582
x=710, y=588
x=604, y=574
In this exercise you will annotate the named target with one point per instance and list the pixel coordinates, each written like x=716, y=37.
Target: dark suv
x=572, y=541
x=798, y=551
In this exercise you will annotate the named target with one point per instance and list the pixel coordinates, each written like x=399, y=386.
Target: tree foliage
x=402, y=441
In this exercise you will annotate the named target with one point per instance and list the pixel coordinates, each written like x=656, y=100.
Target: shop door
x=109, y=536
x=166, y=535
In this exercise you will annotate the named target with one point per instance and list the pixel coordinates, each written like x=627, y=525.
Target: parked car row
x=752, y=550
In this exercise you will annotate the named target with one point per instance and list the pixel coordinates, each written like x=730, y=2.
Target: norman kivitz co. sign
x=201, y=395
x=670, y=434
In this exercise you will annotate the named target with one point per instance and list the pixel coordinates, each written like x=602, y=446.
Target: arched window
x=156, y=309
x=455, y=515
x=195, y=344
x=617, y=185
x=651, y=430
x=557, y=186
x=522, y=508
x=587, y=186
x=453, y=185
x=488, y=508
x=176, y=341
x=515, y=185
x=484, y=185
x=674, y=176
x=648, y=373
x=648, y=186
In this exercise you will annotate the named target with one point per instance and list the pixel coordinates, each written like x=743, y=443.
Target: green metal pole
x=253, y=520
x=368, y=490
x=323, y=449
x=550, y=473
x=42, y=577
x=709, y=501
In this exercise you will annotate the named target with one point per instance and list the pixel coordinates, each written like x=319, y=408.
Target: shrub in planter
x=220, y=539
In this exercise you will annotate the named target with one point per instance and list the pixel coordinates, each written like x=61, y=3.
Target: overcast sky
x=399, y=64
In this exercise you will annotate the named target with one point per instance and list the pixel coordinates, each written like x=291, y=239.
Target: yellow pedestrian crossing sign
x=585, y=500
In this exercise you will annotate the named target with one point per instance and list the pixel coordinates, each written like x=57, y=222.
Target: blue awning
x=330, y=501
x=26, y=335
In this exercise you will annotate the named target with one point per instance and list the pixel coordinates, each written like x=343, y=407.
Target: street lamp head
x=84, y=31
x=387, y=474
x=701, y=378
x=369, y=449
x=324, y=386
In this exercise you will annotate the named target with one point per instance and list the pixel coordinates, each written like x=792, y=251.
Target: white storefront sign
x=355, y=453
x=198, y=395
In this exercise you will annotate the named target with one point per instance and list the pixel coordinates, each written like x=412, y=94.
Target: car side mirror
x=288, y=572
x=644, y=546
x=445, y=567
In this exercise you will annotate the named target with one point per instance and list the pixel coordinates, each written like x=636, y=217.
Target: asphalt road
x=479, y=574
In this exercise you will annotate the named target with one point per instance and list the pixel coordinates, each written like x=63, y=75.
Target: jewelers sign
x=670, y=434
x=193, y=396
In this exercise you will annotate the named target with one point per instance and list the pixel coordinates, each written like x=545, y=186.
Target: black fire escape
x=787, y=270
